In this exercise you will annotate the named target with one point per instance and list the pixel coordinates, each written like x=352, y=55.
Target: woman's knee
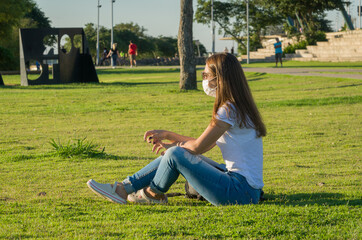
x=174, y=154
x=174, y=151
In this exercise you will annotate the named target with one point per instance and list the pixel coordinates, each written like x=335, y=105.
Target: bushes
x=311, y=39
x=291, y=48
x=7, y=60
x=315, y=36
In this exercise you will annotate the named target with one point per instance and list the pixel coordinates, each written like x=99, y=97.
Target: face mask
x=208, y=90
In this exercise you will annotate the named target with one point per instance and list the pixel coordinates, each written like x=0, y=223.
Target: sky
x=158, y=17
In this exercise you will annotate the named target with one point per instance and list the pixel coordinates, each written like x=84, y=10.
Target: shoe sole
x=104, y=194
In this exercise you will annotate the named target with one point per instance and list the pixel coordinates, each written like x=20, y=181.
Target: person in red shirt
x=132, y=50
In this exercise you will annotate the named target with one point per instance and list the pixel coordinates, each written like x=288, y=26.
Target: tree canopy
x=15, y=14
x=230, y=16
x=148, y=46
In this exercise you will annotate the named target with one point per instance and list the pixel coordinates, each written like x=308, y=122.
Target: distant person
x=114, y=54
x=132, y=50
x=121, y=54
x=104, y=56
x=37, y=65
x=278, y=52
x=226, y=50
x=236, y=127
x=232, y=51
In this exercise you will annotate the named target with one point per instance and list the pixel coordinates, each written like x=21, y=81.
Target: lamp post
x=212, y=27
x=112, y=1
x=359, y=11
x=247, y=27
x=97, y=62
x=197, y=43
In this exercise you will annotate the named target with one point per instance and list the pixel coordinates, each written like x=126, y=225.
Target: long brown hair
x=232, y=87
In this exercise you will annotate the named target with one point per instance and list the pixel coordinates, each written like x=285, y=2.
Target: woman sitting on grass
x=236, y=127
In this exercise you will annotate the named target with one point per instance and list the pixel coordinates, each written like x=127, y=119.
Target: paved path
x=325, y=72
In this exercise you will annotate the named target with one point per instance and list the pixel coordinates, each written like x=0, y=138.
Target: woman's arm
x=208, y=138
x=159, y=135
x=202, y=144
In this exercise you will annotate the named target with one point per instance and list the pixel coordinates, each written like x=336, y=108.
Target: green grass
x=79, y=147
x=312, y=154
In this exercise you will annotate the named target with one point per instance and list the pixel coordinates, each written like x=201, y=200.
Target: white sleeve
x=223, y=115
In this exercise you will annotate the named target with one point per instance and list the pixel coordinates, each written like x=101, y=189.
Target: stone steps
x=328, y=59
x=341, y=46
x=329, y=49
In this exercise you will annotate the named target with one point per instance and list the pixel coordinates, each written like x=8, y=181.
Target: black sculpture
x=1, y=80
x=43, y=45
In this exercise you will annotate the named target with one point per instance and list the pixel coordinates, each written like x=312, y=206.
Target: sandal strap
x=144, y=196
x=150, y=200
x=114, y=187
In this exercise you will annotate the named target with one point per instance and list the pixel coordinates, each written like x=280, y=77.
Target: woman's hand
x=155, y=136
x=160, y=145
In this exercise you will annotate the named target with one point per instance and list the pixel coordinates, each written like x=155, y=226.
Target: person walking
x=132, y=51
x=236, y=127
x=114, y=54
x=278, y=52
x=104, y=56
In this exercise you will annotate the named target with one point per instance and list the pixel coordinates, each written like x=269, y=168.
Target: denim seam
x=154, y=187
x=146, y=173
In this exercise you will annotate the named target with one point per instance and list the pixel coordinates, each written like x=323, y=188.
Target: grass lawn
x=312, y=158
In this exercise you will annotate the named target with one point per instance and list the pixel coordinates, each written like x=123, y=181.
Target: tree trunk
x=185, y=47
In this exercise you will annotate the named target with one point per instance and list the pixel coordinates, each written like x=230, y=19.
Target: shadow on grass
x=342, y=86
x=300, y=199
x=116, y=157
x=96, y=156
x=313, y=102
x=138, y=71
x=255, y=76
x=83, y=85
x=56, y=86
x=303, y=199
x=135, y=83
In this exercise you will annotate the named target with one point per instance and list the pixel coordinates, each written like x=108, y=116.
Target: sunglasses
x=205, y=75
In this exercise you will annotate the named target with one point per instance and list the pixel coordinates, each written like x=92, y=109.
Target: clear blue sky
x=159, y=17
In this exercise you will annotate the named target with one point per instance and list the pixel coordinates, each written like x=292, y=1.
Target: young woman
x=114, y=54
x=236, y=127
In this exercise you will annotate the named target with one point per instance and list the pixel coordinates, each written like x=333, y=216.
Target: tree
x=15, y=14
x=133, y=27
x=165, y=46
x=11, y=12
x=35, y=18
x=231, y=18
x=308, y=15
x=148, y=46
x=185, y=47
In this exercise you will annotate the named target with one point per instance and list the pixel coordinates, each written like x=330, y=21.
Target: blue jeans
x=114, y=57
x=205, y=176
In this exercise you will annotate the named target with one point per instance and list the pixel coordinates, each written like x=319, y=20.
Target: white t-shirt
x=241, y=149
